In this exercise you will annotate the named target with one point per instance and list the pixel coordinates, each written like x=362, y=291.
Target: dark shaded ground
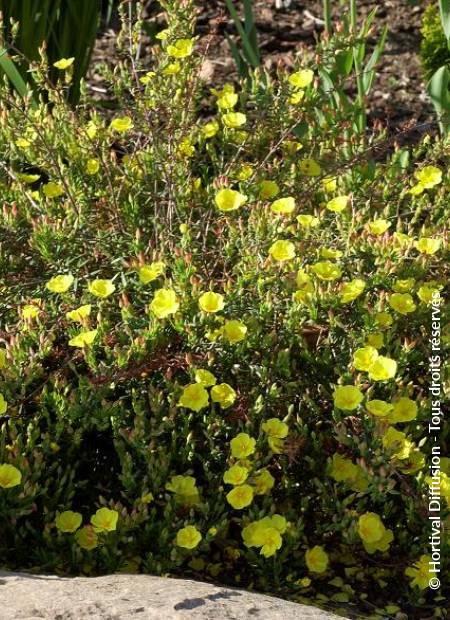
x=398, y=98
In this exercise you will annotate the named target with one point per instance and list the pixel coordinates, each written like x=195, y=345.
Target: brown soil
x=398, y=97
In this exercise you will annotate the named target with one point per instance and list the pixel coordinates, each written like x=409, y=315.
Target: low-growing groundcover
x=215, y=338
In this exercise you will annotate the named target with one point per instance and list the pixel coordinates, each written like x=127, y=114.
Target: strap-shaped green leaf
x=251, y=53
x=438, y=89
x=444, y=8
x=9, y=68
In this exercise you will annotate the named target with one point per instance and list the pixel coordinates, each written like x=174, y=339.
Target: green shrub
x=434, y=51
x=183, y=299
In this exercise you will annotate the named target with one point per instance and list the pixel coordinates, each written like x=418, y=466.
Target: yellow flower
x=172, y=68
x=316, y=559
x=420, y=572
x=304, y=582
x=263, y=482
x=79, y=314
x=382, y=368
x=92, y=166
x=338, y=204
x=147, y=78
x=396, y=442
x=347, y=397
x=211, y=302
x=205, y=378
x=302, y=78
x=30, y=312
x=308, y=221
x=402, y=303
x=275, y=428
x=379, y=408
x=305, y=293
x=378, y=227
x=91, y=130
x=188, y=537
x=148, y=273
x=146, y=498
x=229, y=199
x=122, y=124
x=326, y=270
x=283, y=206
x=427, y=292
x=83, y=339
x=329, y=184
x=105, y=520
x=342, y=468
x=234, y=331
x=101, y=288
x=181, y=48
x=370, y=527
x=384, y=319
x=428, y=245
x=403, y=286
x=185, y=490
x=380, y=545
x=3, y=404
x=10, y=476
x=233, y=120
x=23, y=143
x=223, y=394
x=2, y=358
x=401, y=239
x=52, y=190
x=404, y=410
x=302, y=279
x=28, y=178
x=64, y=63
x=60, y=284
x=297, y=97
x=352, y=290
x=227, y=100
x=414, y=462
x=268, y=189
x=162, y=34
x=282, y=250
x=68, y=521
x=330, y=253
x=185, y=148
x=236, y=475
x=209, y=130
x=271, y=541
x=364, y=358
x=240, y=497
x=310, y=168
x=87, y=538
x=265, y=533
x=164, y=303
x=429, y=176
x=375, y=340
x=194, y=397
x=242, y=446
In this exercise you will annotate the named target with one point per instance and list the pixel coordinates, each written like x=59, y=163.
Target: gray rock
x=25, y=596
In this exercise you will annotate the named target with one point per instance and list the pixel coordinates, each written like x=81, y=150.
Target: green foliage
x=248, y=56
x=434, y=50
x=347, y=65
x=262, y=243
x=66, y=27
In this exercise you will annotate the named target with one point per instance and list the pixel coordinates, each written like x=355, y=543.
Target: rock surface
x=138, y=597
